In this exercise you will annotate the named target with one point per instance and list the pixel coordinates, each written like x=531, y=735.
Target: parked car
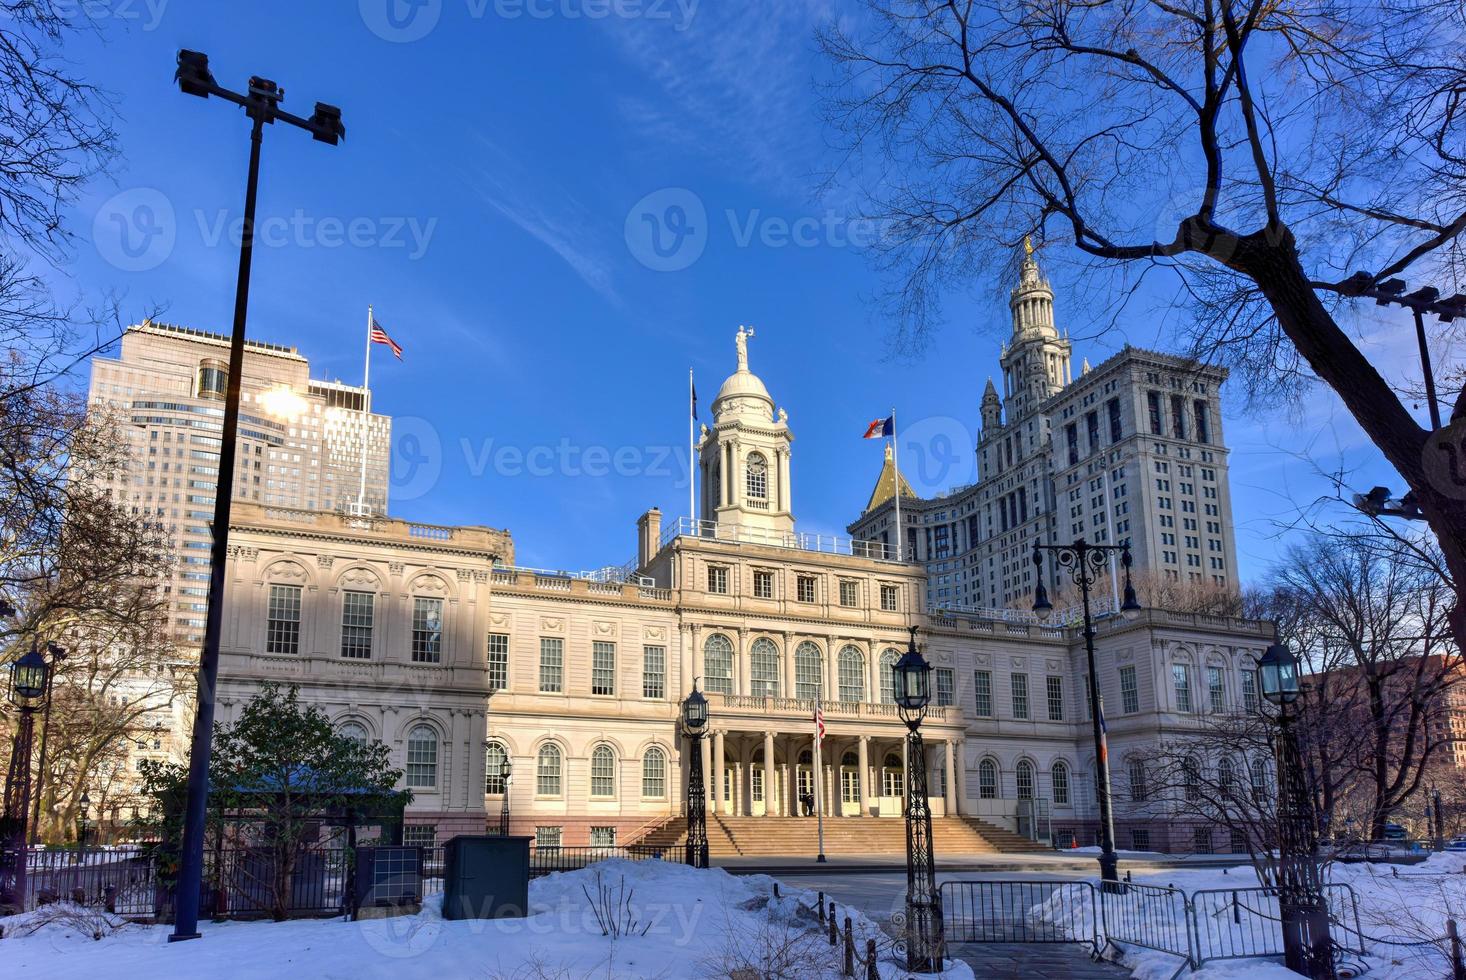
x=1456, y=844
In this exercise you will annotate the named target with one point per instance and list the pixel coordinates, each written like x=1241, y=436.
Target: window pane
x=602, y=667
x=498, y=661
x=982, y=683
x=1129, y=692
x=422, y=757
x=1056, y=698
x=357, y=610
x=945, y=686
x=763, y=668
x=603, y=772
x=806, y=670
x=654, y=774
x=654, y=672
x=552, y=664
x=282, y=630
x=547, y=771
x=888, y=676
x=718, y=664
x=494, y=768
x=1019, y=684
x=852, y=675
x=427, y=630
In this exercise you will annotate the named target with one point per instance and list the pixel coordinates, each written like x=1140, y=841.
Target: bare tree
x=1260, y=152
x=1368, y=616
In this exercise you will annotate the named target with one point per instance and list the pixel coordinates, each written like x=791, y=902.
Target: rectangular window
x=848, y=590
x=282, y=630
x=1140, y=839
x=602, y=667
x=1092, y=430
x=1200, y=422
x=945, y=686
x=806, y=588
x=1216, y=690
x=603, y=837
x=763, y=585
x=1056, y=697
x=654, y=672
x=1178, y=417
x=1181, y=678
x=552, y=664
x=1019, y=685
x=1071, y=436
x=1238, y=841
x=427, y=630
x=1153, y=405
x=420, y=835
x=717, y=580
x=356, y=624
x=1113, y=408
x=982, y=687
x=1249, y=691
x=498, y=661
x=1129, y=691
x=548, y=837
x=1201, y=840
x=888, y=598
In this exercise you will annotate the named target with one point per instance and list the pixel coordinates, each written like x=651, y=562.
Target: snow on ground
x=1411, y=907
x=689, y=923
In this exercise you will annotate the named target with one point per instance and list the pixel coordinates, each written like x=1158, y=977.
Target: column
x=831, y=675
x=786, y=685
x=705, y=745
x=950, y=787
x=864, y=775
x=739, y=801
x=832, y=791
x=741, y=682
x=718, y=772
x=769, y=782
x=961, y=776
x=792, y=783
x=784, y=502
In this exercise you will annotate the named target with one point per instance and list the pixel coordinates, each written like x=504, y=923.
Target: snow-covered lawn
x=688, y=923
x=1410, y=908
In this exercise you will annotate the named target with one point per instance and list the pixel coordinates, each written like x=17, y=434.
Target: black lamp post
x=1301, y=906
x=29, y=684
x=261, y=103
x=694, y=724
x=58, y=654
x=1086, y=562
x=924, y=927
x=506, y=770
x=84, y=804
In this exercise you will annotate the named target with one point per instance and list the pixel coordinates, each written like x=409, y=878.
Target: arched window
x=718, y=664
x=852, y=674
x=1023, y=776
x=888, y=676
x=1258, y=773
x=1226, y=778
x=987, y=780
x=494, y=756
x=548, y=768
x=1139, y=789
x=1059, y=781
x=654, y=773
x=806, y=670
x=806, y=758
x=758, y=477
x=603, y=772
x=1191, y=779
x=763, y=668
x=422, y=757
x=353, y=730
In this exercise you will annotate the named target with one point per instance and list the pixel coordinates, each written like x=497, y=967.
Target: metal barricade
x=1152, y=916
x=1048, y=910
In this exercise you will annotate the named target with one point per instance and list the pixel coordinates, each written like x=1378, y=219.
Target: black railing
x=546, y=860
x=243, y=883
x=120, y=880
x=1239, y=923
x=1030, y=911
x=1152, y=916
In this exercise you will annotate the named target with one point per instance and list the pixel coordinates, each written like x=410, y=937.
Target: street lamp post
x=83, y=805
x=694, y=724
x=506, y=771
x=29, y=684
x=924, y=926
x=58, y=654
x=1086, y=562
x=261, y=103
x=1301, y=907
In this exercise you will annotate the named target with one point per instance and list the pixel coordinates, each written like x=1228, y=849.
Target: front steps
x=844, y=837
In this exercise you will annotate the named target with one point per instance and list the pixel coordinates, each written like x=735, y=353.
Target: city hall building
x=432, y=640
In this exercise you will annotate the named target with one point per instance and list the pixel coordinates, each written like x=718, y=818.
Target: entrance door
x=850, y=785
x=758, y=789
x=893, y=786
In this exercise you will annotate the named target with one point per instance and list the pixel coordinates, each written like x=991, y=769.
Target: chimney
x=648, y=536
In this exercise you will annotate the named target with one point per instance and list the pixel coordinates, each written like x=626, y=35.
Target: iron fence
x=122, y=881
x=1018, y=911
x=546, y=860
x=246, y=882
x=1238, y=923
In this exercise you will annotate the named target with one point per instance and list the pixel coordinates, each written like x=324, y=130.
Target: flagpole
x=692, y=453
x=366, y=373
x=819, y=790
x=896, y=462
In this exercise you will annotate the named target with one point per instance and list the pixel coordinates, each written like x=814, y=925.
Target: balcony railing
x=768, y=704
x=828, y=544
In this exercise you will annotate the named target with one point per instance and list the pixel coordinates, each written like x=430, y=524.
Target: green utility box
x=486, y=878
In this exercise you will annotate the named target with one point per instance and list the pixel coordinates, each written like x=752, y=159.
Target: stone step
x=845, y=836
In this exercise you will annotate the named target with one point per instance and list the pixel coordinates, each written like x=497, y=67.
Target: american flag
x=379, y=336
x=819, y=721
x=1104, y=740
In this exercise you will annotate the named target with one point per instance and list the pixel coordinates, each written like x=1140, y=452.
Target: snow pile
x=1403, y=919
x=674, y=922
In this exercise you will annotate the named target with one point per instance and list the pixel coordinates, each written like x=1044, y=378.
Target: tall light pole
x=694, y=724
x=29, y=684
x=261, y=105
x=1301, y=907
x=1086, y=562
x=924, y=926
x=58, y=654
x=506, y=772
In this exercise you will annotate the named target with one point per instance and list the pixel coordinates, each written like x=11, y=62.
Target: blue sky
x=557, y=207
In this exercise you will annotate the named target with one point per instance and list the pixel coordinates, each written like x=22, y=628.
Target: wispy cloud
x=737, y=84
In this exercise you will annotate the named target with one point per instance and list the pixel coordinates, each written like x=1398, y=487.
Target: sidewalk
x=1055, y=862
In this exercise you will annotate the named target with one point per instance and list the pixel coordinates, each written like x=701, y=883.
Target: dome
x=743, y=384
